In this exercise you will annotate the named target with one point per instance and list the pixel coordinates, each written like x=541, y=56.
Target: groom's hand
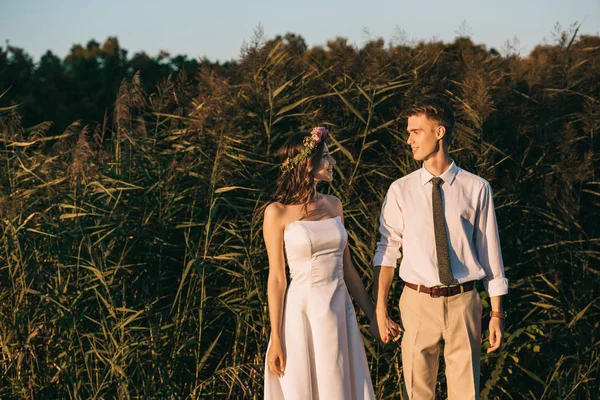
x=395, y=330
x=381, y=318
x=496, y=333
x=385, y=329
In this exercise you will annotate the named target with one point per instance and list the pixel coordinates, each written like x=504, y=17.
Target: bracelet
x=498, y=314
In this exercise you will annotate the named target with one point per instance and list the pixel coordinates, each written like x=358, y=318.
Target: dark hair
x=436, y=109
x=297, y=185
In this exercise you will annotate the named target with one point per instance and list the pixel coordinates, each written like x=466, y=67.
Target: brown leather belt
x=442, y=291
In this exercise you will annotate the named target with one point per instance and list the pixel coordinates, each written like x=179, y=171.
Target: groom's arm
x=384, y=276
x=391, y=228
x=383, y=281
x=487, y=244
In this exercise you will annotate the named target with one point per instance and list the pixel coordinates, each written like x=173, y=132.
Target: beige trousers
x=429, y=322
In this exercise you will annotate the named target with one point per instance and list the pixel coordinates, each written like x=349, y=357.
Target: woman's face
x=324, y=171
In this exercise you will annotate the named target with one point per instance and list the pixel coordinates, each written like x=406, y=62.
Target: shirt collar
x=448, y=175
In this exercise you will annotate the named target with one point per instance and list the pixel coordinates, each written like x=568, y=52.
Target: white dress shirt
x=407, y=222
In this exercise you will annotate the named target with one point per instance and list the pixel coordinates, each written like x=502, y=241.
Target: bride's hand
x=374, y=330
x=276, y=359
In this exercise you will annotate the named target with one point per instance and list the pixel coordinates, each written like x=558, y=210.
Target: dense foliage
x=131, y=256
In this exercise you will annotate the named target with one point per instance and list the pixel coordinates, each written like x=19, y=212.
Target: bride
x=315, y=350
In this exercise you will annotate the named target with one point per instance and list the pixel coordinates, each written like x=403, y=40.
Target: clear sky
x=216, y=29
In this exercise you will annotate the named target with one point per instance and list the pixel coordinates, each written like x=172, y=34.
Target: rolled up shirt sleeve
x=487, y=244
x=391, y=228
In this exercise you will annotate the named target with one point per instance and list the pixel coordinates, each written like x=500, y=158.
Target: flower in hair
x=317, y=135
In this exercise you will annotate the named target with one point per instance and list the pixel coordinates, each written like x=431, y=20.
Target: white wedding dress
x=325, y=354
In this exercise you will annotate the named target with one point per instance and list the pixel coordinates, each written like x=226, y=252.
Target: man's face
x=424, y=136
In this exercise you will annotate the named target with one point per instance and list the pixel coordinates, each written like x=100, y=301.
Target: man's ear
x=440, y=131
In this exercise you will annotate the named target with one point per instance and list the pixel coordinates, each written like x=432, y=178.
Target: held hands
x=383, y=328
x=496, y=329
x=276, y=359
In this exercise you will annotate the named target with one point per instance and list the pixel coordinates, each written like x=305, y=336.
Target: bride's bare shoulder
x=274, y=210
x=278, y=212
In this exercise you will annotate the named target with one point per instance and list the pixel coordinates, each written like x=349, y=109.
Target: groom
x=443, y=219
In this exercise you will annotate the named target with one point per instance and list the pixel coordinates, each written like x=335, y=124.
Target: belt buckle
x=431, y=292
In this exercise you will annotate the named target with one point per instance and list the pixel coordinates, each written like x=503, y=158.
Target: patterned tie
x=441, y=240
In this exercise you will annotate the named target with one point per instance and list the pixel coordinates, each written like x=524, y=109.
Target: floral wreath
x=317, y=135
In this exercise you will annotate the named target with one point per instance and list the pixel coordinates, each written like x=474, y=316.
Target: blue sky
x=217, y=29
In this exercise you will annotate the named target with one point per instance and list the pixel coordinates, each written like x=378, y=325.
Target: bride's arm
x=276, y=284
x=356, y=287
x=358, y=291
x=353, y=282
